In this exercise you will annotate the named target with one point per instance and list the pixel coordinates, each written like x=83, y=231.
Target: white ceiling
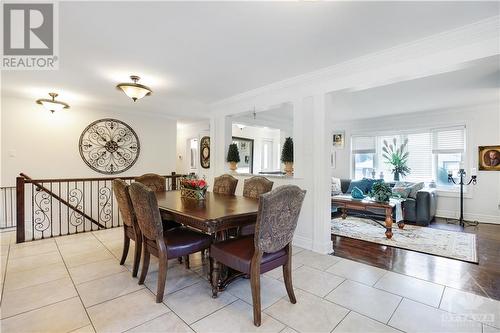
x=476, y=84
x=194, y=53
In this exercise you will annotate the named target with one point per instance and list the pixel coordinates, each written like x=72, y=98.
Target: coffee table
x=345, y=202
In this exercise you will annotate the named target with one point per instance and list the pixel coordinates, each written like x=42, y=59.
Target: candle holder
x=473, y=180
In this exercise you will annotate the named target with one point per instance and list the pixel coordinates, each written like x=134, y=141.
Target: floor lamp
x=462, y=183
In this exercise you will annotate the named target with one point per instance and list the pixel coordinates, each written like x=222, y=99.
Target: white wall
x=45, y=145
x=186, y=132
x=481, y=202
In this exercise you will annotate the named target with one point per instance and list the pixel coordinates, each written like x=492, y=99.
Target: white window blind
x=363, y=144
x=420, y=157
x=449, y=140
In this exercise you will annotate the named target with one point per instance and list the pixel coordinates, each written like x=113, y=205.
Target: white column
x=321, y=175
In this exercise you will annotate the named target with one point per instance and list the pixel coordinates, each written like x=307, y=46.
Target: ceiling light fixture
x=240, y=126
x=51, y=104
x=135, y=90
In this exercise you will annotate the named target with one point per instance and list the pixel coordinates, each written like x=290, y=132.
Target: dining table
x=219, y=215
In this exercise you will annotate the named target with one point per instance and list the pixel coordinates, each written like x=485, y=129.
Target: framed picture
x=205, y=152
x=245, y=146
x=489, y=158
x=338, y=139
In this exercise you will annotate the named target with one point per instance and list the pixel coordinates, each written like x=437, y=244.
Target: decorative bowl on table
x=192, y=188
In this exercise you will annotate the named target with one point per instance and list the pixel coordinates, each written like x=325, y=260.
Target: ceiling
x=194, y=53
x=476, y=84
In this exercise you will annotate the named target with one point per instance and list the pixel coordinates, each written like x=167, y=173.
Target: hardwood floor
x=482, y=279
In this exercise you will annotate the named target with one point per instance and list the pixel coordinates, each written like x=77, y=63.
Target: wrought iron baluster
x=67, y=208
x=51, y=231
x=32, y=212
x=60, y=228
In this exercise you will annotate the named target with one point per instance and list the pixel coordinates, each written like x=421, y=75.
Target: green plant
x=397, y=157
x=287, y=151
x=233, y=154
x=381, y=192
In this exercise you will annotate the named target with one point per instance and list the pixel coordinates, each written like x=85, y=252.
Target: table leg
x=388, y=223
x=401, y=224
x=344, y=213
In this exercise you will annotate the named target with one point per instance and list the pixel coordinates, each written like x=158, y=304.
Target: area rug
x=444, y=243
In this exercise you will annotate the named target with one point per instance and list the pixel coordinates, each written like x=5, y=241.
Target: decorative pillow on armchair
x=407, y=189
x=336, y=186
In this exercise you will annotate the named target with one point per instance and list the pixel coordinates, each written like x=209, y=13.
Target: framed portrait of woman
x=489, y=158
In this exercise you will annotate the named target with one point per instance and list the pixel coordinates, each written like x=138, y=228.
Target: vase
x=289, y=168
x=396, y=176
x=233, y=166
x=193, y=194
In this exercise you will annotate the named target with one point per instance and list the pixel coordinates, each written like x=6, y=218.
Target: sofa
x=419, y=210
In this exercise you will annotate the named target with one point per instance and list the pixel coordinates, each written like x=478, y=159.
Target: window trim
x=452, y=189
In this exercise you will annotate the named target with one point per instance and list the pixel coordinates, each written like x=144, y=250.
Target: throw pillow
x=415, y=188
x=336, y=186
x=401, y=191
x=364, y=185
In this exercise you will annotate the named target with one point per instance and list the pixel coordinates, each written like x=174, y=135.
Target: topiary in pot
x=287, y=155
x=233, y=156
x=381, y=192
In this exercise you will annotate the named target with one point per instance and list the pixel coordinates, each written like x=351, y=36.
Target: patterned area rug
x=449, y=244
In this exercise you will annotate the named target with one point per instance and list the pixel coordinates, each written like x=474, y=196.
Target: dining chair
x=252, y=188
x=225, y=184
x=158, y=183
x=131, y=229
x=164, y=245
x=270, y=246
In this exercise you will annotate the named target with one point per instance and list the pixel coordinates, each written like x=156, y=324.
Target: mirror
x=259, y=136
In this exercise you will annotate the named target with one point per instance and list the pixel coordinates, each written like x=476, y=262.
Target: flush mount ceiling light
x=51, y=104
x=134, y=90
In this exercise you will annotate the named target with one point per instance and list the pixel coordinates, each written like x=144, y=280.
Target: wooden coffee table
x=346, y=202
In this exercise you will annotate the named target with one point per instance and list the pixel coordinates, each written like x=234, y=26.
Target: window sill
x=452, y=193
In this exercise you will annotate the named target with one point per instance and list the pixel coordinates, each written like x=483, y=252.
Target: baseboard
x=302, y=242
x=483, y=218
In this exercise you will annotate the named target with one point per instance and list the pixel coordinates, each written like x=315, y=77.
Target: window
x=431, y=154
x=363, y=156
x=267, y=155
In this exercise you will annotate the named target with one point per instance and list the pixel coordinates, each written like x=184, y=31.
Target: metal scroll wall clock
x=109, y=146
x=205, y=152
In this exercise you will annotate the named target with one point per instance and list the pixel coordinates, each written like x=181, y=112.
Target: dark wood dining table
x=219, y=215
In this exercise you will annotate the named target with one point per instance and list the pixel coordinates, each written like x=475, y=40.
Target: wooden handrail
x=62, y=180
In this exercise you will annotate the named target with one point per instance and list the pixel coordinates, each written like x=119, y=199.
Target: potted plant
x=381, y=192
x=287, y=156
x=233, y=156
x=193, y=188
x=397, y=157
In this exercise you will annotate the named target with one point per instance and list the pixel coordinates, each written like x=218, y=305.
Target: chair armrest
x=426, y=203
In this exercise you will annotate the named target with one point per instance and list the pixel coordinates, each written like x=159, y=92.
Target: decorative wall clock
x=205, y=152
x=109, y=146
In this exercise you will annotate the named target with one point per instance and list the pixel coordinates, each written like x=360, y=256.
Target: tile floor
x=75, y=284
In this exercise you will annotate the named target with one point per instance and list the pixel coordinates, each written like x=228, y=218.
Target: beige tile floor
x=75, y=284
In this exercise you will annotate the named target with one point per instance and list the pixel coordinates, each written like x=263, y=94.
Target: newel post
x=20, y=235
x=174, y=181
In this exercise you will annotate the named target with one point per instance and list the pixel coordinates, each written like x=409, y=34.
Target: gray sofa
x=420, y=210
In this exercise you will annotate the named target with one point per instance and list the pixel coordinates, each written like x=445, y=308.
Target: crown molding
x=429, y=56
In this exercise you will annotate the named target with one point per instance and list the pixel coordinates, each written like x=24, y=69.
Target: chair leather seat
x=238, y=253
x=182, y=241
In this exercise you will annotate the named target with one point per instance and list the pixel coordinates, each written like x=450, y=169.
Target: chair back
x=120, y=188
x=255, y=186
x=146, y=210
x=225, y=184
x=277, y=217
x=155, y=182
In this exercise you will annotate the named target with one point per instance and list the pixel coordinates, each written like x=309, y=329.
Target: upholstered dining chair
x=252, y=188
x=131, y=229
x=153, y=181
x=158, y=183
x=269, y=248
x=165, y=245
x=225, y=184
